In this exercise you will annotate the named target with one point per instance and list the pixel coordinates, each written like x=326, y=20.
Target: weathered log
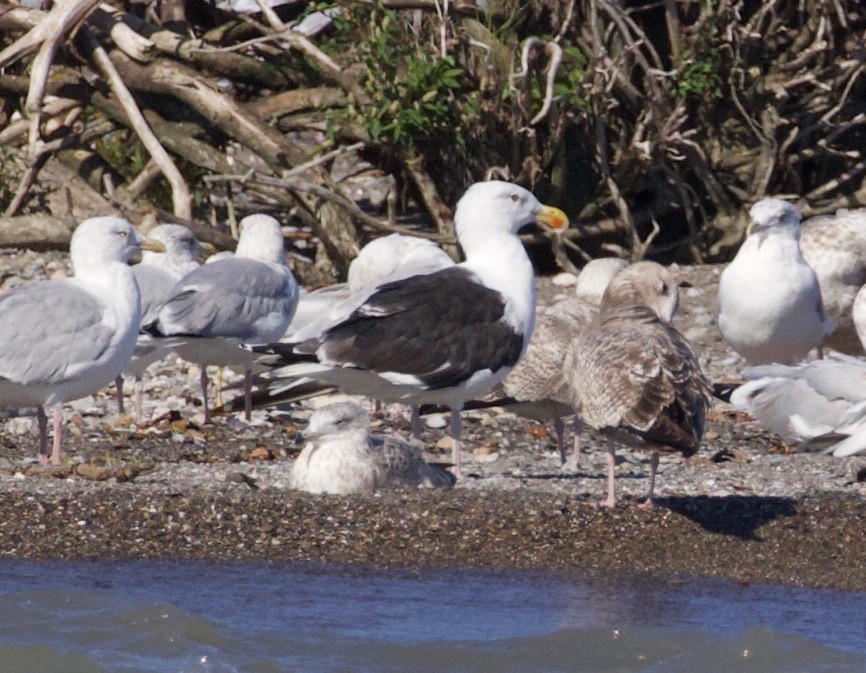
x=36, y=232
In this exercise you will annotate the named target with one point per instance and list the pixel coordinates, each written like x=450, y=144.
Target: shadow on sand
x=737, y=515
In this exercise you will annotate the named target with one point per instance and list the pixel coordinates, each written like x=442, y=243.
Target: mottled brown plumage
x=633, y=376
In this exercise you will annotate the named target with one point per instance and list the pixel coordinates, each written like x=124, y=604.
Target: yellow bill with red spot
x=552, y=217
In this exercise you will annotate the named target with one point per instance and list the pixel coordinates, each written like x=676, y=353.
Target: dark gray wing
x=233, y=298
x=439, y=328
x=49, y=331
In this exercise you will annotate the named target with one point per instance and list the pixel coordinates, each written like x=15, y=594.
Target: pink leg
x=42, y=423
x=576, y=428
x=203, y=382
x=417, y=428
x=58, y=427
x=456, y=427
x=118, y=393
x=820, y=352
x=248, y=393
x=654, y=466
x=611, y=467
x=137, y=392
x=559, y=429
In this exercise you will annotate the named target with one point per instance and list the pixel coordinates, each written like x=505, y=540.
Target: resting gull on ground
x=246, y=299
x=442, y=337
x=770, y=307
x=634, y=377
x=343, y=457
x=817, y=405
x=535, y=387
x=156, y=275
x=61, y=340
x=835, y=247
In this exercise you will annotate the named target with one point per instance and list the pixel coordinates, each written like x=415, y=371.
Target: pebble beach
x=745, y=507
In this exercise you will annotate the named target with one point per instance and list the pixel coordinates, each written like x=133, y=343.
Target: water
x=200, y=617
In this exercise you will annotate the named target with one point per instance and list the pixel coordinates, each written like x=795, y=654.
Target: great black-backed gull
x=246, y=299
x=342, y=456
x=634, y=377
x=835, y=247
x=156, y=275
x=770, y=307
x=61, y=340
x=442, y=337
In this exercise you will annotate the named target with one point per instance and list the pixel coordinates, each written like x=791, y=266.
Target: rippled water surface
x=196, y=617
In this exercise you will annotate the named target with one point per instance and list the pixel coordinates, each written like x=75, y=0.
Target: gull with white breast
x=442, y=337
x=61, y=340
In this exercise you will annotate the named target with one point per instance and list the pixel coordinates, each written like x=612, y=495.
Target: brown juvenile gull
x=156, y=275
x=436, y=338
x=343, y=457
x=770, y=307
x=835, y=247
x=535, y=387
x=61, y=340
x=633, y=376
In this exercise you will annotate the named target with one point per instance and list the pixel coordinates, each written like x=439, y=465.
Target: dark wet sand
x=815, y=543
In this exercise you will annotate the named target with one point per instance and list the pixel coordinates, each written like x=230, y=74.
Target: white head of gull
x=61, y=340
x=633, y=376
x=442, y=337
x=248, y=298
x=770, y=307
x=595, y=277
x=342, y=456
x=156, y=275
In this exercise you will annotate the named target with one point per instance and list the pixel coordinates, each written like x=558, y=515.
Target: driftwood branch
x=181, y=197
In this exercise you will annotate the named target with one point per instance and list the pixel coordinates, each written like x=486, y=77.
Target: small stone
x=564, y=279
x=261, y=453
x=436, y=421
x=445, y=443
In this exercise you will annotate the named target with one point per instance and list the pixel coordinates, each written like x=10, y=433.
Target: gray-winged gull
x=156, y=275
x=61, y=340
x=246, y=299
x=770, y=307
x=634, y=377
x=342, y=456
x=835, y=247
x=442, y=337
x=817, y=405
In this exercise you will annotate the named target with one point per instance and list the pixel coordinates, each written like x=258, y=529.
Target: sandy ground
x=745, y=507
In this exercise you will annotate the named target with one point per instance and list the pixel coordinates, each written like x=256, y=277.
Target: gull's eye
x=123, y=234
x=664, y=289
x=515, y=197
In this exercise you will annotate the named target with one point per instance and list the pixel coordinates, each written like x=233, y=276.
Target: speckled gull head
x=644, y=284
x=596, y=276
x=774, y=215
x=101, y=240
x=261, y=238
x=182, y=248
x=503, y=206
x=337, y=419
